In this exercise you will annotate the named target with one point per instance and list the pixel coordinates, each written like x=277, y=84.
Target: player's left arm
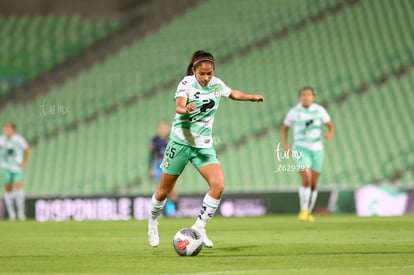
x=331, y=130
x=26, y=156
x=240, y=96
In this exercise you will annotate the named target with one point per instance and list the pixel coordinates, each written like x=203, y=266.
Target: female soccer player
x=14, y=156
x=196, y=101
x=307, y=119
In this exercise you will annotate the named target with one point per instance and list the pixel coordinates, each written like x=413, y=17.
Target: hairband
x=203, y=59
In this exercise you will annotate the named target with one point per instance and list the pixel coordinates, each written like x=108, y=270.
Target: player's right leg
x=7, y=178
x=304, y=194
x=9, y=201
x=158, y=201
x=175, y=159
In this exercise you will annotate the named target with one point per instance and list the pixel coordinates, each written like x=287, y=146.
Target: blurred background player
x=196, y=99
x=14, y=156
x=157, y=149
x=307, y=119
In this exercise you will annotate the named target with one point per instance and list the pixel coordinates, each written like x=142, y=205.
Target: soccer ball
x=187, y=242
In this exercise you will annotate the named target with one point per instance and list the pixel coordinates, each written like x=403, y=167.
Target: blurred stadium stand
x=90, y=115
x=34, y=44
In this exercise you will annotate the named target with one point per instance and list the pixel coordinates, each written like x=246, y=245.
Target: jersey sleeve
x=289, y=118
x=182, y=89
x=325, y=116
x=23, y=143
x=225, y=90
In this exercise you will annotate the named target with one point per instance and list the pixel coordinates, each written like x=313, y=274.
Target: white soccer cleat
x=22, y=217
x=153, y=237
x=12, y=217
x=206, y=240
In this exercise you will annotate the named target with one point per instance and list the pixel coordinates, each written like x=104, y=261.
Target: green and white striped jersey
x=195, y=129
x=11, y=152
x=307, y=125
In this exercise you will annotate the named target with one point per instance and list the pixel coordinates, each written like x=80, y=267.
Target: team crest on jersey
x=216, y=92
x=216, y=88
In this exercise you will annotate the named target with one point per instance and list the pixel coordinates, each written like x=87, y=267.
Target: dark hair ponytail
x=197, y=58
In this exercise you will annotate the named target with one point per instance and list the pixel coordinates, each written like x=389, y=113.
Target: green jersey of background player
x=14, y=155
x=197, y=99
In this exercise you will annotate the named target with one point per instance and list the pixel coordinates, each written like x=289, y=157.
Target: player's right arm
x=285, y=143
x=181, y=96
x=288, y=121
x=181, y=106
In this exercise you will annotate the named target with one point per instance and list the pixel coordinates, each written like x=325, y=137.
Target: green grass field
x=266, y=245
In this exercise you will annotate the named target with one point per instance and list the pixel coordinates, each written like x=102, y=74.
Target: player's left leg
x=175, y=159
x=9, y=201
x=170, y=206
x=213, y=174
x=314, y=194
x=317, y=162
x=20, y=198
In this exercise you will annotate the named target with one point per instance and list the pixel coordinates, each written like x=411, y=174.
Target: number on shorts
x=170, y=152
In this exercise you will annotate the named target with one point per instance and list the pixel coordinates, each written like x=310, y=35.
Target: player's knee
x=18, y=185
x=161, y=193
x=306, y=184
x=217, y=185
x=164, y=190
x=306, y=180
x=8, y=188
